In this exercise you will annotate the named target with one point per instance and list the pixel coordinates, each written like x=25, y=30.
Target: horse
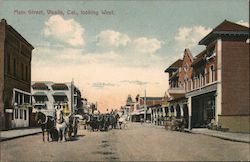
x=115, y=120
x=46, y=123
x=61, y=124
x=122, y=121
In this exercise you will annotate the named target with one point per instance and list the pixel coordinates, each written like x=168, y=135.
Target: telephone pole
x=145, y=107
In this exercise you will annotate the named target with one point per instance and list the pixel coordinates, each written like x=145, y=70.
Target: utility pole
x=72, y=96
x=145, y=107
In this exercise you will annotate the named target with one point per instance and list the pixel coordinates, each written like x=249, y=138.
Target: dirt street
x=137, y=142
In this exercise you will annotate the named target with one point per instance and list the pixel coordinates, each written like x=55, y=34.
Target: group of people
x=104, y=122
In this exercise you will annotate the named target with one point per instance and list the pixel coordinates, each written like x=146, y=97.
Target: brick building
x=15, y=78
x=216, y=86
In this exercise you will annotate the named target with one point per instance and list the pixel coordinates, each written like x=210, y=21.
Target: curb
x=10, y=138
x=224, y=138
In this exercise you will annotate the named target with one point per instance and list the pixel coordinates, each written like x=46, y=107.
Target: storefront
x=203, y=109
x=22, y=109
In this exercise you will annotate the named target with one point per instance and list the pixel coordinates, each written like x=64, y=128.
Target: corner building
x=221, y=79
x=15, y=78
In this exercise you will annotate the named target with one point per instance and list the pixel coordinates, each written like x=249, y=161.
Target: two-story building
x=221, y=79
x=215, y=83
x=15, y=78
x=47, y=95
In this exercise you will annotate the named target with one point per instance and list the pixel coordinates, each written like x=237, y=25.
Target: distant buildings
x=214, y=85
x=47, y=95
x=15, y=78
x=140, y=109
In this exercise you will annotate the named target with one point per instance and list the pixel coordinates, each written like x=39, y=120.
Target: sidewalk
x=239, y=137
x=11, y=134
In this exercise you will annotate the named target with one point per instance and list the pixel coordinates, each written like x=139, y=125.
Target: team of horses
x=59, y=126
x=105, y=122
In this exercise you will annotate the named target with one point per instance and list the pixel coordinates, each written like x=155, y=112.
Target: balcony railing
x=176, y=90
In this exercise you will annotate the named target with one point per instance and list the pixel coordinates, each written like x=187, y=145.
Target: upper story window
x=14, y=67
x=211, y=53
x=185, y=67
x=211, y=74
x=21, y=98
x=8, y=64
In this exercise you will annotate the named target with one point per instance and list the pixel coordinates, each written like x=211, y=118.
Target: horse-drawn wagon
x=58, y=124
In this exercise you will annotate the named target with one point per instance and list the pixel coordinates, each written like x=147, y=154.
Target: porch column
x=169, y=111
x=181, y=108
x=218, y=97
x=151, y=113
x=175, y=112
x=189, y=112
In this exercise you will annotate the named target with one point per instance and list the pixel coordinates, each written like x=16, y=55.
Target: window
x=25, y=114
x=26, y=73
x=201, y=80
x=16, y=113
x=22, y=71
x=26, y=99
x=21, y=113
x=205, y=76
x=12, y=116
x=185, y=67
x=14, y=66
x=211, y=74
x=191, y=84
x=8, y=64
x=16, y=97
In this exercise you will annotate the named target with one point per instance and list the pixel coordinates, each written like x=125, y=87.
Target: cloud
x=188, y=37
x=136, y=82
x=147, y=45
x=112, y=38
x=68, y=31
x=241, y=22
x=102, y=85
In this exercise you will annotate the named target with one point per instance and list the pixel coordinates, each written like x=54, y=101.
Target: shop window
x=25, y=114
x=26, y=99
x=16, y=113
x=21, y=113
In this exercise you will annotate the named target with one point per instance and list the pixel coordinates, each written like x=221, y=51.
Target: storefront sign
x=9, y=110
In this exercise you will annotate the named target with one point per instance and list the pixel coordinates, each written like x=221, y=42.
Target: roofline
x=30, y=45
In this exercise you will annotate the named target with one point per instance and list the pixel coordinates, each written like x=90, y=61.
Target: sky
x=111, y=49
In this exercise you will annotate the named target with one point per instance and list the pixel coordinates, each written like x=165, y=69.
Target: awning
x=59, y=94
x=39, y=94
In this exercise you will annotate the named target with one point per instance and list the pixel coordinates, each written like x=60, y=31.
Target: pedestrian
x=141, y=120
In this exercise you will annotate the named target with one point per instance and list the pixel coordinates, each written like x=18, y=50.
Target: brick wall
x=235, y=78
x=2, y=37
x=186, y=60
x=12, y=47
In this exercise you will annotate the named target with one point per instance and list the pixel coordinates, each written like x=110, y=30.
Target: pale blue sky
x=163, y=28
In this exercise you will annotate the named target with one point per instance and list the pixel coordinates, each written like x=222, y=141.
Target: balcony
x=176, y=92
